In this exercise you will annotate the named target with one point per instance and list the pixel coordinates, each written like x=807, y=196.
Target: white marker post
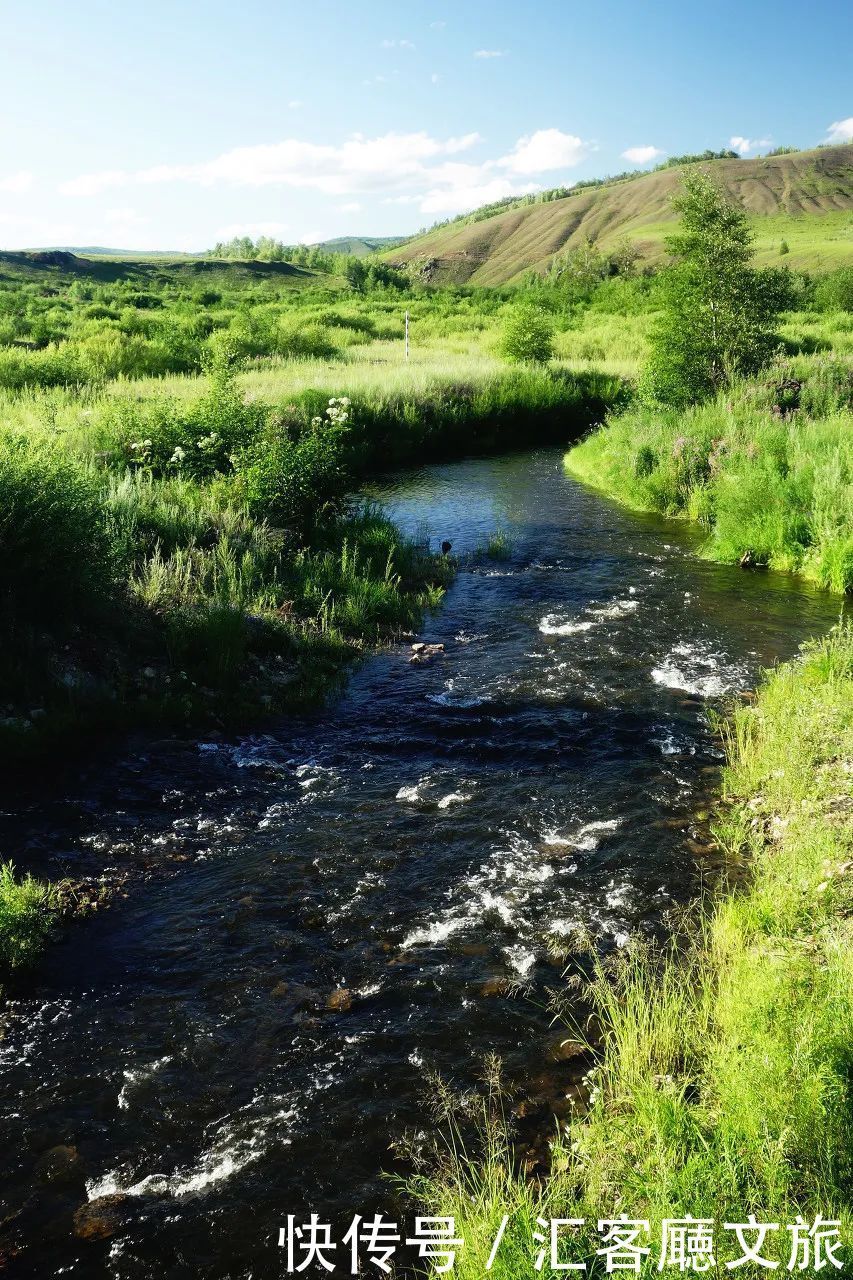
x=407, y=335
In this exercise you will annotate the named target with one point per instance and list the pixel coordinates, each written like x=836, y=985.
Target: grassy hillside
x=804, y=198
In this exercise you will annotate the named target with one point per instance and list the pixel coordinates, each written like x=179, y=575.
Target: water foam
x=701, y=672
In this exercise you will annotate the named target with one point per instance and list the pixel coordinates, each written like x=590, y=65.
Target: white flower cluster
x=140, y=451
x=207, y=444
x=337, y=413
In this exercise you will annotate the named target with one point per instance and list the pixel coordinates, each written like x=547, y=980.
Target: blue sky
x=174, y=124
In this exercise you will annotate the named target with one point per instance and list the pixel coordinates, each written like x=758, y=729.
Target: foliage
x=299, y=482
x=58, y=558
x=528, y=335
x=834, y=292
x=718, y=313
x=25, y=918
x=771, y=485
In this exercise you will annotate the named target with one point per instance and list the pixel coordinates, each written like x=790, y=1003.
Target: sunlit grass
x=770, y=479
x=25, y=905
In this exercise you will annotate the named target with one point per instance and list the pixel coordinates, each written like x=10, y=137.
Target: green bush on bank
x=25, y=918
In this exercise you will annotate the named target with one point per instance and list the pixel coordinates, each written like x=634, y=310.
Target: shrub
x=528, y=335
x=296, y=483
x=834, y=291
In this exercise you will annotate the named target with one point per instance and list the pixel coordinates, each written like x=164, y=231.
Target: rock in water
x=339, y=1000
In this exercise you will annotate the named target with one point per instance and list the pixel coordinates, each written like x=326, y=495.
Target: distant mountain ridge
x=359, y=246
x=354, y=246
x=804, y=198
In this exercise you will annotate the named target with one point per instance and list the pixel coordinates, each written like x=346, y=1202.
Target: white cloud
x=642, y=155
x=351, y=206
x=26, y=233
x=458, y=197
x=359, y=164
x=841, y=130
x=404, y=168
x=397, y=44
x=92, y=184
x=744, y=145
x=17, y=183
x=437, y=26
x=546, y=149
x=295, y=104
x=490, y=53
x=435, y=78
x=252, y=229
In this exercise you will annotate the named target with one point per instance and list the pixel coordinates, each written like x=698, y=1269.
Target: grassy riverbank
x=171, y=560
x=723, y=1084
x=767, y=469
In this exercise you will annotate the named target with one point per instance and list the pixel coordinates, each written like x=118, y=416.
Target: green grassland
x=177, y=449
x=179, y=546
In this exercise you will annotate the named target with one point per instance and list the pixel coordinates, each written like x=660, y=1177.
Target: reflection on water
x=417, y=848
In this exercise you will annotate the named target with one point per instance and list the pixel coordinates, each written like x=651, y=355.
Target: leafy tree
x=528, y=335
x=579, y=271
x=718, y=312
x=356, y=274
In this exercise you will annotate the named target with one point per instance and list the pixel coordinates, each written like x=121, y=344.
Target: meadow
x=177, y=462
x=180, y=443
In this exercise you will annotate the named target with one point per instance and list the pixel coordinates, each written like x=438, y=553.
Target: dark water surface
x=415, y=844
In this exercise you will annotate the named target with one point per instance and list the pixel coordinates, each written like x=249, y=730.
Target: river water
x=421, y=844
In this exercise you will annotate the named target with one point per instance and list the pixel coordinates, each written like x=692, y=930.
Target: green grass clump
x=723, y=1083
x=25, y=918
x=56, y=553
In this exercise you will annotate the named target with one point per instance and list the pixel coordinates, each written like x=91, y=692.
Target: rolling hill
x=63, y=264
x=804, y=198
x=359, y=246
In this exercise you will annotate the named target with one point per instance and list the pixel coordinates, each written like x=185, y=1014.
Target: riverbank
x=722, y=1084
x=767, y=469
x=199, y=562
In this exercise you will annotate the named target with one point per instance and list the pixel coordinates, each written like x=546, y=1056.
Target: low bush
x=528, y=335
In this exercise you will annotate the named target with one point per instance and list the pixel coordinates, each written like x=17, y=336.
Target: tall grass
x=25, y=906
x=723, y=1084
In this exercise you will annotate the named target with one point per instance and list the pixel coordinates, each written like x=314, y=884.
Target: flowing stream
x=421, y=844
